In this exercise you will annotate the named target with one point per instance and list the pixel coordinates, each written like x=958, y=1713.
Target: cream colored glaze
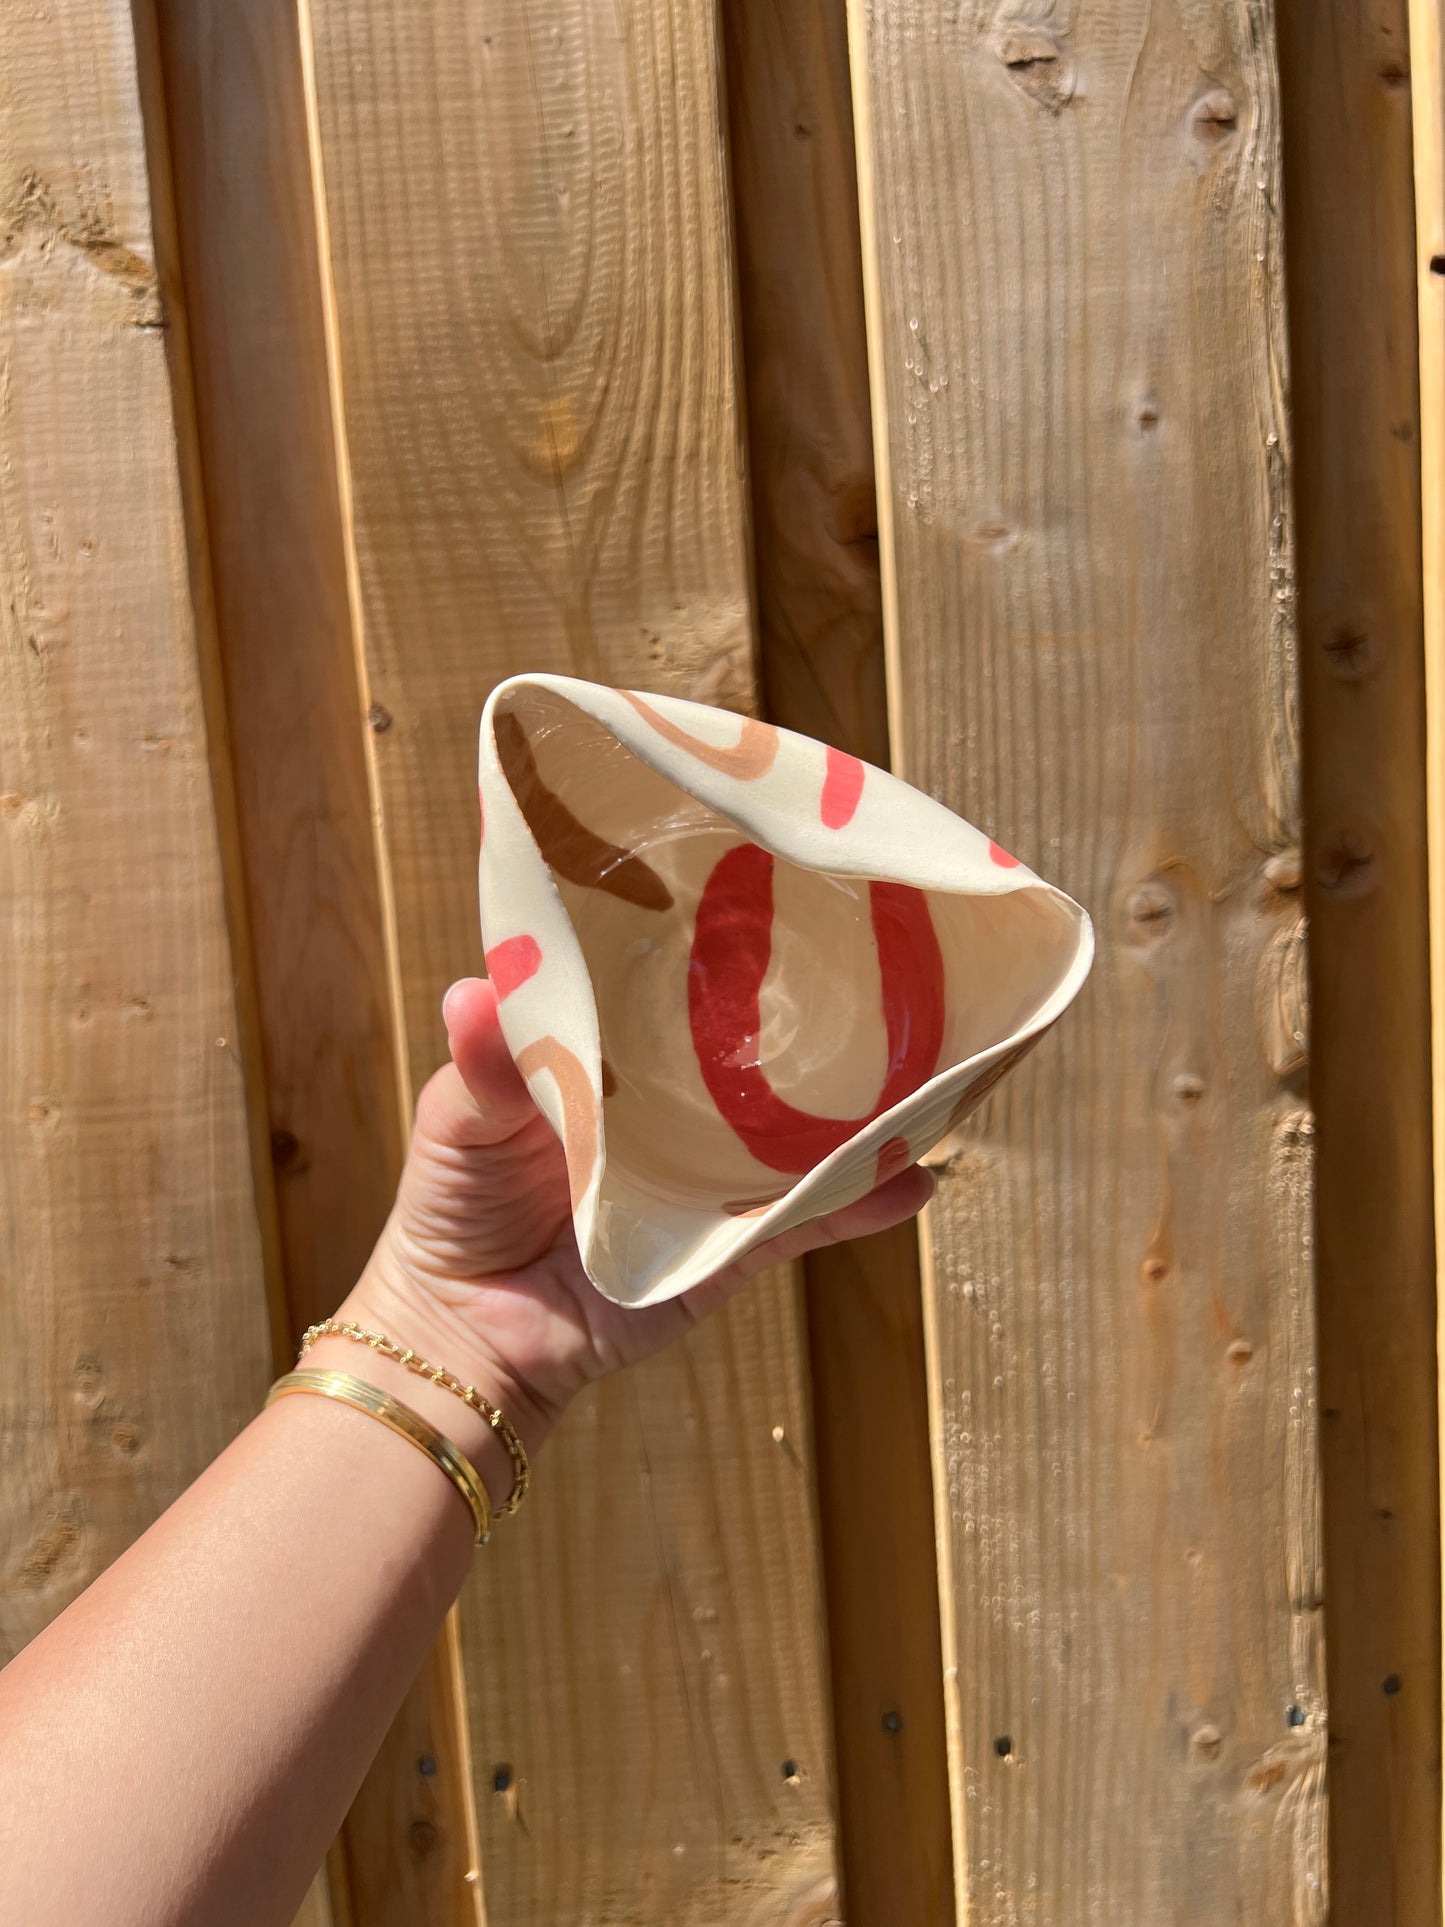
x=673, y=1166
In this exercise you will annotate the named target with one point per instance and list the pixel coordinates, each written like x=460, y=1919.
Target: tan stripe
x=579, y=1106
x=753, y=754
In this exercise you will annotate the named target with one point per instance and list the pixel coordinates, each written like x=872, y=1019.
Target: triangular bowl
x=745, y=976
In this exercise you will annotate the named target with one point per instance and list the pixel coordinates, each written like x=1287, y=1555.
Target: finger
x=892, y=1203
x=904, y=1196
x=480, y=1097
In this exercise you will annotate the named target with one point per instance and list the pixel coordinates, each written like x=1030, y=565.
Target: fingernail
x=446, y=1000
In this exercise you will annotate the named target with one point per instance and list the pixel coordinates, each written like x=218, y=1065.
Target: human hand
x=478, y=1267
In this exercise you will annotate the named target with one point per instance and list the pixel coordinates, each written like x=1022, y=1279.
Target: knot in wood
x=1151, y=911
x=424, y=1838
x=89, y=1378
x=1037, y=65
x=1352, y=653
x=993, y=532
x=1346, y=866
x=1284, y=871
x=1214, y=116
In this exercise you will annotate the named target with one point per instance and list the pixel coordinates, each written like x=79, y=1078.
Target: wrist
x=441, y=1337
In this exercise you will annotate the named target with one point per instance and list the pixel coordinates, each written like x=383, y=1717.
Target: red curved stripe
x=1001, y=857
x=731, y=948
x=842, y=786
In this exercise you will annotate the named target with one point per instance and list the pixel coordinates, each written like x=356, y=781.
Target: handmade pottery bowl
x=745, y=976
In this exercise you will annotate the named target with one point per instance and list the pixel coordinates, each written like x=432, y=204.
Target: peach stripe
x=751, y=756
x=579, y=1106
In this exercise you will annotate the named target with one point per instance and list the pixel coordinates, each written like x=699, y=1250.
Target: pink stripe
x=1002, y=858
x=512, y=962
x=842, y=786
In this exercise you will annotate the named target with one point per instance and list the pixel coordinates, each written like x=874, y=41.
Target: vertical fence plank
x=247, y=224
x=1427, y=94
x=810, y=439
x=247, y=216
x=1344, y=72
x=529, y=250
x=130, y=1247
x=821, y=631
x=1076, y=328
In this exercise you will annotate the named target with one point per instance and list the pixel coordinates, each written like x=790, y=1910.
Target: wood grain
x=1077, y=341
x=529, y=252
x=870, y=1420
x=1344, y=73
x=810, y=439
x=317, y=1909
x=810, y=448
x=237, y=123
x=130, y=1244
x=1427, y=94
x=247, y=224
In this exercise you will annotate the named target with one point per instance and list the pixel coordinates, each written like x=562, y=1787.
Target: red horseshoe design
x=731, y=947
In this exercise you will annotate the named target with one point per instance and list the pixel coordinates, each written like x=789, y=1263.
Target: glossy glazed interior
x=632, y=856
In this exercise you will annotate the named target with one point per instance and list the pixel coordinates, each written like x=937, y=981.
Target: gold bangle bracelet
x=468, y=1394
x=406, y=1423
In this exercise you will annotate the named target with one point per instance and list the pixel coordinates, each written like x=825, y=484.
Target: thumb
x=484, y=1100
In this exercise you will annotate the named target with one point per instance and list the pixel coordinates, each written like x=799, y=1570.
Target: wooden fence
x=1032, y=391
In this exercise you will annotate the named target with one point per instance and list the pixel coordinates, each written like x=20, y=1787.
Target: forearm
x=183, y=1742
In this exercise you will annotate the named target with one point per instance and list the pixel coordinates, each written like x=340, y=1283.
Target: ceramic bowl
x=745, y=976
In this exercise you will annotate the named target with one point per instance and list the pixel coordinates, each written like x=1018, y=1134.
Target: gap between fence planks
x=236, y=119
x=1350, y=247
x=1427, y=92
x=810, y=460
x=131, y=1254
x=534, y=337
x=1076, y=330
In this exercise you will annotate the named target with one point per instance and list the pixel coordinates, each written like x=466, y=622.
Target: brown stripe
x=979, y=1089
x=579, y=1106
x=567, y=846
x=751, y=756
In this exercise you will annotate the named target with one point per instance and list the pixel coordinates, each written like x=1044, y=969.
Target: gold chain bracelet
x=406, y=1423
x=468, y=1394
